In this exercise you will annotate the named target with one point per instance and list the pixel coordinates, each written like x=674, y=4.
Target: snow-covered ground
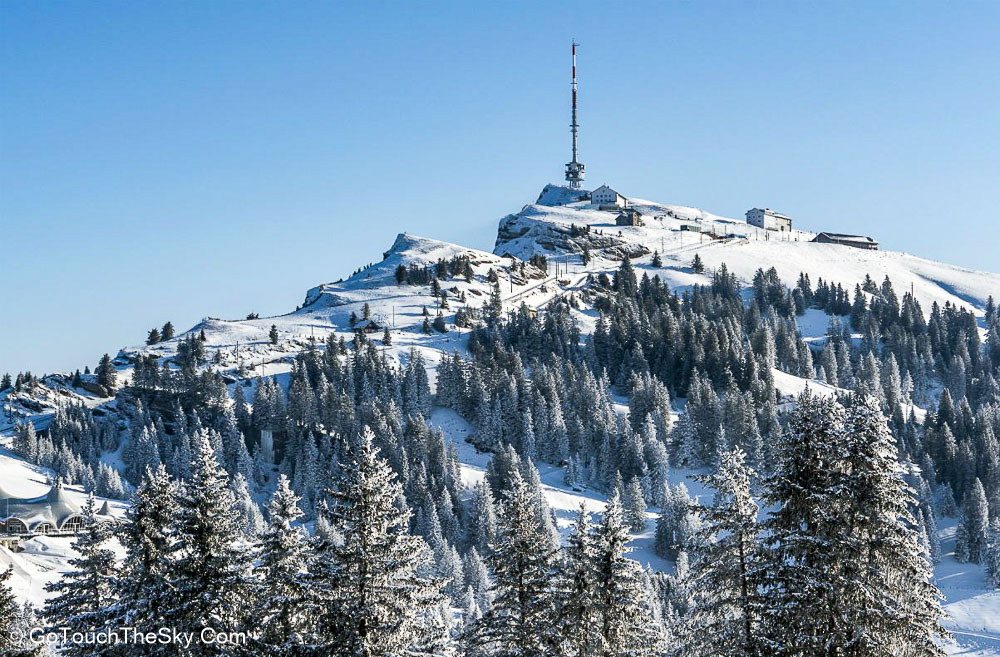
x=44, y=558
x=543, y=228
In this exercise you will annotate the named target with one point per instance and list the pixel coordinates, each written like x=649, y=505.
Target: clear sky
x=179, y=159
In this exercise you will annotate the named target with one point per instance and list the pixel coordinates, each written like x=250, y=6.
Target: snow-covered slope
x=546, y=228
x=562, y=227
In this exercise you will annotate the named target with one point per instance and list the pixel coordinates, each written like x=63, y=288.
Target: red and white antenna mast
x=574, y=169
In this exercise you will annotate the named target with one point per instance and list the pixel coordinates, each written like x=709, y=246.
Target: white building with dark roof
x=768, y=219
x=51, y=513
x=605, y=197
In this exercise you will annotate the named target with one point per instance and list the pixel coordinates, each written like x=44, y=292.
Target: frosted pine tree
x=477, y=577
x=892, y=604
x=992, y=557
x=576, y=591
x=970, y=536
x=281, y=592
x=635, y=505
x=252, y=521
x=144, y=590
x=83, y=596
x=484, y=519
x=807, y=544
x=519, y=623
x=624, y=624
x=372, y=600
x=726, y=573
x=14, y=640
x=8, y=611
x=677, y=524
x=210, y=575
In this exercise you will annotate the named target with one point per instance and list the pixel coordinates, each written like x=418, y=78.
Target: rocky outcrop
x=522, y=236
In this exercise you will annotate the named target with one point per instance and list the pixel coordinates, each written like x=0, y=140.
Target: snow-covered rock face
x=544, y=230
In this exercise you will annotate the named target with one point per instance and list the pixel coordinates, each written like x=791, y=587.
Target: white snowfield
x=545, y=228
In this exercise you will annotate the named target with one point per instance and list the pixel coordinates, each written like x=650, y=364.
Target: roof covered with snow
x=54, y=508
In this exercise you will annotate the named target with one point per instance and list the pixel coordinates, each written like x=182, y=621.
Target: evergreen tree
x=847, y=574
x=519, y=623
x=106, y=375
x=892, y=606
x=970, y=536
x=167, y=332
x=677, y=524
x=210, y=571
x=282, y=590
x=992, y=557
x=373, y=601
x=14, y=640
x=577, y=626
x=806, y=540
x=635, y=505
x=726, y=577
x=494, y=306
x=483, y=534
x=83, y=596
x=273, y=334
x=251, y=519
x=622, y=612
x=439, y=324
x=154, y=336
x=697, y=265
x=144, y=589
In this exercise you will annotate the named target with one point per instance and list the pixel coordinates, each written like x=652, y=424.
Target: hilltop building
x=854, y=241
x=607, y=199
x=768, y=219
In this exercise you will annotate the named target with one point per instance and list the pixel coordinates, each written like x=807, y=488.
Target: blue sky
x=175, y=160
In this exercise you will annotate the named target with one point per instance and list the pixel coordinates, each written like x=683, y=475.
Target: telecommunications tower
x=574, y=169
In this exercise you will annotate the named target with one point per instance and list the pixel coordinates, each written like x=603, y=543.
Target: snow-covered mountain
x=546, y=227
x=550, y=249
x=562, y=226
x=551, y=227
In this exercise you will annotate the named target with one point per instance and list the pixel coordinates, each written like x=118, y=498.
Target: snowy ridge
x=406, y=250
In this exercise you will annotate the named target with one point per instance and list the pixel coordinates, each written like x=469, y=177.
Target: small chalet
x=629, y=217
x=606, y=198
x=854, y=241
x=367, y=326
